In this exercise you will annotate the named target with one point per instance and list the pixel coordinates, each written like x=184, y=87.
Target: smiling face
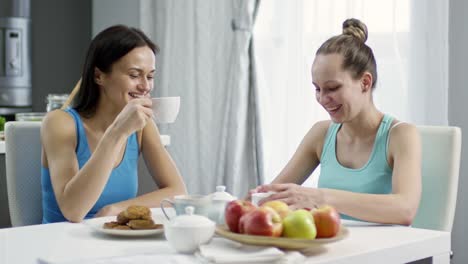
x=130, y=77
x=340, y=95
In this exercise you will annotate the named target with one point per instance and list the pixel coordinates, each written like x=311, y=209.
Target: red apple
x=263, y=221
x=327, y=221
x=234, y=211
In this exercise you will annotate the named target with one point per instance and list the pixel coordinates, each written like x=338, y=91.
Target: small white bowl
x=186, y=233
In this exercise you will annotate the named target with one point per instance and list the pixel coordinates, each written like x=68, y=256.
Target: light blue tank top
x=375, y=177
x=121, y=185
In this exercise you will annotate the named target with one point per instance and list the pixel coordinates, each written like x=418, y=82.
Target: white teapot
x=219, y=199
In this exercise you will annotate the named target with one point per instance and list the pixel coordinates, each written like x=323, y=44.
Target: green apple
x=299, y=224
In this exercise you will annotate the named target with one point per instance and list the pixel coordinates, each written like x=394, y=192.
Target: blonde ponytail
x=72, y=94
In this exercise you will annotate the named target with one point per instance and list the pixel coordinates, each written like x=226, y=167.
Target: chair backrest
x=441, y=150
x=23, y=172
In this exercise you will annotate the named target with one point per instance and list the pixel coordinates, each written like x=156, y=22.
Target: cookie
x=110, y=225
x=138, y=212
x=141, y=224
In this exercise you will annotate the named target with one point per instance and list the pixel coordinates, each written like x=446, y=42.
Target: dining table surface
x=71, y=243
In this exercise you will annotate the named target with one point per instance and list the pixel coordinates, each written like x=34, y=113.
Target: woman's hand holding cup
x=134, y=116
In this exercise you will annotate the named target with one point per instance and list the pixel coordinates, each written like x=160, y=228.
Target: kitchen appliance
x=15, y=57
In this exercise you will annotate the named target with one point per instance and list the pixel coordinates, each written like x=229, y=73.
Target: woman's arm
x=399, y=207
x=161, y=167
x=78, y=190
x=304, y=161
x=307, y=156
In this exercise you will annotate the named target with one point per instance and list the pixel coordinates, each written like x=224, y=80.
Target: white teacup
x=166, y=109
x=200, y=203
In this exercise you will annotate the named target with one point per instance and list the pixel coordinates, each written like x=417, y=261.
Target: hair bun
x=355, y=28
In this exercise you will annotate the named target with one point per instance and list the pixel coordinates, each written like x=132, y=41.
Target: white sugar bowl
x=187, y=232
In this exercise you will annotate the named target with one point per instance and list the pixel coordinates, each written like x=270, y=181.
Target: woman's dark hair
x=105, y=49
x=357, y=56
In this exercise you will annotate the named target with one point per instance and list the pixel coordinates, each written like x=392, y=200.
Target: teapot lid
x=221, y=194
x=189, y=219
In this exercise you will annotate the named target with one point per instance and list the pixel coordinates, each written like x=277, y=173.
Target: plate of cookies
x=136, y=220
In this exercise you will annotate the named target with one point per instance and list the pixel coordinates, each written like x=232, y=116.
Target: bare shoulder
x=404, y=135
x=315, y=138
x=319, y=130
x=404, y=130
x=322, y=126
x=58, y=125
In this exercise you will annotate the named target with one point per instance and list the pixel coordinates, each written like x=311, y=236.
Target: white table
x=365, y=244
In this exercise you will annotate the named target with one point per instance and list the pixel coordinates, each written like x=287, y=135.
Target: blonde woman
x=370, y=162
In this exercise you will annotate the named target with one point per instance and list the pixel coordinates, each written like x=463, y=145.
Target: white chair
x=23, y=172
x=441, y=149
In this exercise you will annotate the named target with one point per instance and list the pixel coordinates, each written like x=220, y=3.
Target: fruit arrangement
x=275, y=219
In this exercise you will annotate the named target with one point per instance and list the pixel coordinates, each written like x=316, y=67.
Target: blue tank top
x=375, y=177
x=121, y=185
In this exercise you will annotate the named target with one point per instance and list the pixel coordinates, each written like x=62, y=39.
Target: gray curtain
x=207, y=59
